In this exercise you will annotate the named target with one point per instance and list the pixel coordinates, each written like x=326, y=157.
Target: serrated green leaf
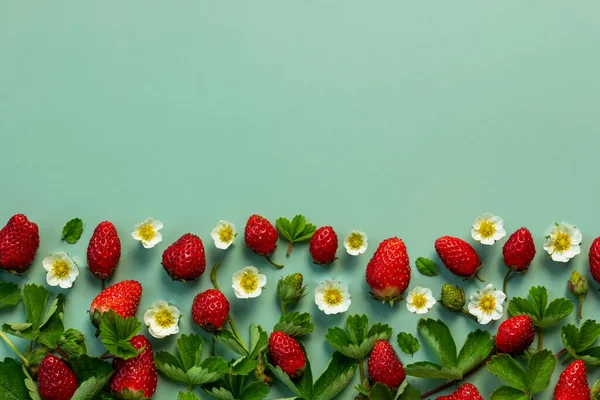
x=116, y=332
x=426, y=266
x=221, y=393
x=306, y=385
x=255, y=391
x=295, y=324
x=478, y=346
x=228, y=339
x=337, y=375
x=72, y=230
x=298, y=224
x=595, y=390
x=31, y=386
x=381, y=392
x=570, y=336
x=539, y=371
x=439, y=339
x=589, y=333
x=72, y=342
x=36, y=356
x=22, y=330
x=90, y=387
x=505, y=368
x=590, y=356
x=187, y=396
x=52, y=327
x=557, y=310
x=538, y=296
x=169, y=370
x=243, y=365
x=380, y=332
x=357, y=326
x=189, y=348
x=34, y=299
x=508, y=393
x=10, y=294
x=520, y=306
x=284, y=227
x=429, y=370
x=86, y=367
x=210, y=370
x=408, y=343
x=12, y=380
x=258, y=340
x=409, y=393
x=284, y=378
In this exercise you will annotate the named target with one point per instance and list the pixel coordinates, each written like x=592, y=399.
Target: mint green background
x=395, y=118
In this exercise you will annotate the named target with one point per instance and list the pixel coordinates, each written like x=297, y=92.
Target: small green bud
x=453, y=297
x=290, y=289
x=578, y=284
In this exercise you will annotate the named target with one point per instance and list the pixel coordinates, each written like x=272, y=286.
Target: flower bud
x=578, y=284
x=453, y=297
x=290, y=289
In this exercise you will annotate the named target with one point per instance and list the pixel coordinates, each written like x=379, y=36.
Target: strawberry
x=572, y=383
x=287, y=353
x=123, y=298
x=323, y=245
x=458, y=256
x=135, y=378
x=595, y=259
x=519, y=250
x=185, y=260
x=388, y=272
x=515, y=335
x=464, y=392
x=19, y=241
x=261, y=237
x=210, y=310
x=56, y=381
x=384, y=365
x=104, y=250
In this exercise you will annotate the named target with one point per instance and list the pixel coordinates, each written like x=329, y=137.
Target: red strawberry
x=388, y=272
x=287, y=353
x=595, y=259
x=56, y=381
x=384, y=365
x=515, y=334
x=184, y=260
x=104, y=250
x=519, y=250
x=210, y=310
x=261, y=237
x=458, y=256
x=464, y=392
x=323, y=245
x=19, y=241
x=572, y=384
x=123, y=298
x=135, y=378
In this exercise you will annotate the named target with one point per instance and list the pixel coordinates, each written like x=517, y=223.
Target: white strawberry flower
x=223, y=234
x=488, y=228
x=248, y=283
x=563, y=242
x=332, y=297
x=420, y=300
x=148, y=233
x=162, y=319
x=487, y=304
x=62, y=270
x=356, y=242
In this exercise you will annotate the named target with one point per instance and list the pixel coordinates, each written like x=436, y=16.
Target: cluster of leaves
x=298, y=230
x=579, y=342
x=544, y=315
x=519, y=383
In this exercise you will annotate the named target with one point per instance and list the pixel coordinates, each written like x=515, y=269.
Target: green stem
x=213, y=275
x=212, y=348
x=560, y=353
x=283, y=308
x=190, y=387
x=540, y=339
x=506, y=278
x=103, y=284
x=289, y=249
x=12, y=346
x=580, y=308
x=363, y=376
x=278, y=266
x=236, y=332
x=480, y=279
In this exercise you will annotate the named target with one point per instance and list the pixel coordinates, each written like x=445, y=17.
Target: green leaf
x=306, y=385
x=72, y=230
x=438, y=337
x=426, y=266
x=72, y=342
x=210, y=370
x=187, y=396
x=537, y=307
x=295, y=324
x=590, y=356
x=284, y=378
x=539, y=371
x=589, y=333
x=12, y=380
x=357, y=326
x=409, y=393
x=284, y=227
x=189, y=348
x=296, y=231
x=34, y=298
x=243, y=365
x=408, y=343
x=90, y=387
x=36, y=356
x=478, y=346
x=539, y=298
x=557, y=310
x=337, y=375
x=52, y=326
x=508, y=393
x=255, y=391
x=31, y=386
x=22, y=330
x=10, y=294
x=228, y=339
x=380, y=391
x=116, y=332
x=429, y=370
x=258, y=340
x=508, y=371
x=170, y=367
x=221, y=393
x=357, y=342
x=520, y=306
x=86, y=367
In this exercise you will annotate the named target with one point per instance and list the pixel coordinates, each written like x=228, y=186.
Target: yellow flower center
x=164, y=318
x=562, y=242
x=487, y=304
x=333, y=297
x=419, y=300
x=487, y=229
x=355, y=241
x=61, y=269
x=226, y=234
x=249, y=282
x=147, y=232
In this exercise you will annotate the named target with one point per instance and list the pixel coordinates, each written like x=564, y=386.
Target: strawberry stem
x=506, y=278
x=363, y=376
x=289, y=249
x=540, y=339
x=213, y=275
x=278, y=266
x=103, y=284
x=478, y=277
x=14, y=348
x=580, y=308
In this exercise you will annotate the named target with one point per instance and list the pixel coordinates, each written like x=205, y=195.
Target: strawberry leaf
x=189, y=348
x=543, y=314
x=438, y=338
x=72, y=230
x=426, y=266
x=255, y=391
x=505, y=368
x=478, y=346
x=187, y=396
x=86, y=367
x=337, y=375
x=508, y=393
x=116, y=332
x=91, y=387
x=408, y=343
x=381, y=392
x=52, y=326
x=578, y=342
x=298, y=230
x=243, y=366
x=295, y=324
x=429, y=370
x=72, y=342
x=357, y=340
x=258, y=340
x=35, y=298
x=31, y=386
x=406, y=391
x=229, y=340
x=539, y=371
x=12, y=380
x=220, y=393
x=10, y=294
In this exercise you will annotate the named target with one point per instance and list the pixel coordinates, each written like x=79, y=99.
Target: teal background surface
x=403, y=119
